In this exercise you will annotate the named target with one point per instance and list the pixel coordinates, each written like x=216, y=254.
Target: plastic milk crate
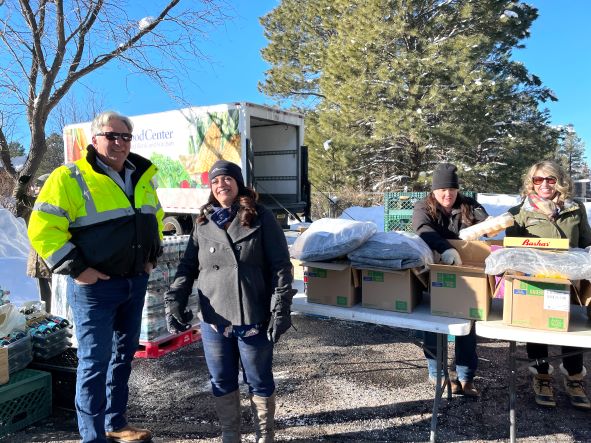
x=398, y=207
x=25, y=400
x=63, y=377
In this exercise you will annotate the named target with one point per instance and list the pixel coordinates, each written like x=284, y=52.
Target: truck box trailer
x=266, y=142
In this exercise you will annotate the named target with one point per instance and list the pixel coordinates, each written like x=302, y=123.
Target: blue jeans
x=466, y=358
x=225, y=355
x=107, y=316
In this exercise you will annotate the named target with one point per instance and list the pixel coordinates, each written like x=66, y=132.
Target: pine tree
x=400, y=85
x=571, y=153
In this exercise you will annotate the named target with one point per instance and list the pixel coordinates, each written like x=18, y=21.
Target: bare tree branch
x=48, y=46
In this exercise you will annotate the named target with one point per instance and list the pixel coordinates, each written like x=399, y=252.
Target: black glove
x=279, y=324
x=280, y=314
x=177, y=316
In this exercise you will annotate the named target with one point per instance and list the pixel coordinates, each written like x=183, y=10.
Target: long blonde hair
x=564, y=184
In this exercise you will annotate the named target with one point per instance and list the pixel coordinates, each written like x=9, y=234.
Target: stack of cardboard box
x=339, y=284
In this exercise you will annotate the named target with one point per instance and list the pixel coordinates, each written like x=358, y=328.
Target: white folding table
x=578, y=335
x=420, y=319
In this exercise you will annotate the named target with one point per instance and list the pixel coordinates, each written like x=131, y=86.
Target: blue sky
x=558, y=52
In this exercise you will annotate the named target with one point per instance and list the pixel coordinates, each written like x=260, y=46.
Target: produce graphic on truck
x=266, y=142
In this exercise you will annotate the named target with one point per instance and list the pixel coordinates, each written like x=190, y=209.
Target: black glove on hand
x=177, y=317
x=279, y=324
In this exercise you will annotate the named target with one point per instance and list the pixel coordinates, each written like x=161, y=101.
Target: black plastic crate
x=63, y=377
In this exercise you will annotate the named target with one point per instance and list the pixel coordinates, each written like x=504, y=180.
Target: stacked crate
x=398, y=207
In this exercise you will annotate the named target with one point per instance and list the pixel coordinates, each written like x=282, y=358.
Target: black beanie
x=224, y=167
x=445, y=176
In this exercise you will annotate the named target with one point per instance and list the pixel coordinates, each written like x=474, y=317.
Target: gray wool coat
x=238, y=270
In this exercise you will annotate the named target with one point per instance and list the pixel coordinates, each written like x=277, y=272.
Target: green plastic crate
x=24, y=400
x=401, y=201
x=398, y=207
x=397, y=223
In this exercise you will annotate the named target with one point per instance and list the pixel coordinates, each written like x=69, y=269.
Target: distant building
x=582, y=188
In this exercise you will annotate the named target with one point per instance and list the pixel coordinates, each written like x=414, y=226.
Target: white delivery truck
x=266, y=142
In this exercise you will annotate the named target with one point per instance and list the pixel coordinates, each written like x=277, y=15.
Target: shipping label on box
x=537, y=303
x=390, y=290
x=332, y=283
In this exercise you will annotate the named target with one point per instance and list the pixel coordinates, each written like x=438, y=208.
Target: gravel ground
x=338, y=381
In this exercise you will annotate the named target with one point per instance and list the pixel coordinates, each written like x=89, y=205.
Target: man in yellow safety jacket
x=99, y=221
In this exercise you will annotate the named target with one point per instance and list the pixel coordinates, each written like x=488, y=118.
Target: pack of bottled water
x=162, y=276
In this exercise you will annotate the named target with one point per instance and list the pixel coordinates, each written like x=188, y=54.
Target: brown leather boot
x=264, y=418
x=130, y=434
x=574, y=387
x=542, y=384
x=469, y=390
x=228, y=410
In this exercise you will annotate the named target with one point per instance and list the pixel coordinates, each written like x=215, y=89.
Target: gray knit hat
x=445, y=176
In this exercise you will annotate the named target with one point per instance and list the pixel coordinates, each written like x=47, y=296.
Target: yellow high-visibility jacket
x=82, y=219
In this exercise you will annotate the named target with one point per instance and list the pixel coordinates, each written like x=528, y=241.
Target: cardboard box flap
x=469, y=268
x=333, y=266
x=473, y=252
x=559, y=281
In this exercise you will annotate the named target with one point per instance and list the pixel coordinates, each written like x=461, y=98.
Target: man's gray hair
x=104, y=118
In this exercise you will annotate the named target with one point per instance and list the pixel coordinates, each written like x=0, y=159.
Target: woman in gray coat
x=239, y=257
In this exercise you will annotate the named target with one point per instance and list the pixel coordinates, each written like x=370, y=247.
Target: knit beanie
x=445, y=176
x=224, y=167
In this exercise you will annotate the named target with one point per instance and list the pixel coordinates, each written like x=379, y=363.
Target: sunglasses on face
x=539, y=180
x=125, y=136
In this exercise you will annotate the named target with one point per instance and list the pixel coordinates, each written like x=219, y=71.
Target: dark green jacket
x=571, y=223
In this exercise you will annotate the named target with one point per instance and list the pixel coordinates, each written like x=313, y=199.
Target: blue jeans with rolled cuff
x=465, y=353
x=107, y=316
x=225, y=355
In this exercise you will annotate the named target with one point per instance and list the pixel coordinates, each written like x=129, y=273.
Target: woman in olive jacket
x=548, y=211
x=239, y=257
x=437, y=219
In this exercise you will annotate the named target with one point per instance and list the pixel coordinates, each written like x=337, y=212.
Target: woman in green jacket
x=548, y=211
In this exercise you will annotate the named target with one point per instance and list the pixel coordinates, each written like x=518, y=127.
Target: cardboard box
x=3, y=365
x=390, y=290
x=538, y=303
x=332, y=283
x=538, y=243
x=298, y=269
x=463, y=291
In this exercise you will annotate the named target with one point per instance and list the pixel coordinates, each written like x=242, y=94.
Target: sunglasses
x=125, y=136
x=539, y=180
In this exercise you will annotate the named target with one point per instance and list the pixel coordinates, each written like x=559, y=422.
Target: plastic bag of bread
x=491, y=227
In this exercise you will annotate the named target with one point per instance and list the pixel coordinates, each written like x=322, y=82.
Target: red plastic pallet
x=167, y=343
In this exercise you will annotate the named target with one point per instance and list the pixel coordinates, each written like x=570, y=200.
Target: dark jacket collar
x=141, y=164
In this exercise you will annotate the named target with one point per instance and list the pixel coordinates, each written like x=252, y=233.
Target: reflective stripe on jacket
x=82, y=219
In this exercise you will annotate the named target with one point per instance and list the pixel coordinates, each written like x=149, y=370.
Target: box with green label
x=463, y=291
x=391, y=290
x=332, y=283
x=537, y=303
